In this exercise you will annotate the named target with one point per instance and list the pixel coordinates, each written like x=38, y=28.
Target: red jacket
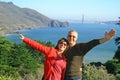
x=51, y=55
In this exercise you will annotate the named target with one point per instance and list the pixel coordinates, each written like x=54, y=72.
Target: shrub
x=118, y=77
x=113, y=66
x=19, y=59
x=96, y=73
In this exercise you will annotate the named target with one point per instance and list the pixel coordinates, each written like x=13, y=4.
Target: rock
x=56, y=23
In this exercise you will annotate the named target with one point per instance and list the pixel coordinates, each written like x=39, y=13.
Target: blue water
x=87, y=32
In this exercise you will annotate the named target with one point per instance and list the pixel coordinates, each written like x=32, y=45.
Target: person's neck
x=72, y=44
x=60, y=52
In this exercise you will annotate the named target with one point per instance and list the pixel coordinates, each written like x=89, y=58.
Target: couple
x=64, y=62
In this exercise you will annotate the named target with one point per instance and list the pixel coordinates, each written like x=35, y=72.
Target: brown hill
x=13, y=17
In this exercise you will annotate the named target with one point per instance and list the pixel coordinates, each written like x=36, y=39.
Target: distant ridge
x=13, y=18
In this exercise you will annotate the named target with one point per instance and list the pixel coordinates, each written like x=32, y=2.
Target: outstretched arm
x=108, y=35
x=34, y=44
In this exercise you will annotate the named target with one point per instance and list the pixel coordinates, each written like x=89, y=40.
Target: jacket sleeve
x=40, y=47
x=85, y=47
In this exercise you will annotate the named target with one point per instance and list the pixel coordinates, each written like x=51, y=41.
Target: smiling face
x=62, y=45
x=72, y=37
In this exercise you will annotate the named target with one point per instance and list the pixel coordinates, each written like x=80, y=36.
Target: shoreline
x=24, y=29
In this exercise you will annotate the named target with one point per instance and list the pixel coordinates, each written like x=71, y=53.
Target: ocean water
x=87, y=32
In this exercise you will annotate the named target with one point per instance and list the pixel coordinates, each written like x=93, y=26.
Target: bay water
x=87, y=32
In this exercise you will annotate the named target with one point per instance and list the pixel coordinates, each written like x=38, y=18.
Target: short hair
x=73, y=31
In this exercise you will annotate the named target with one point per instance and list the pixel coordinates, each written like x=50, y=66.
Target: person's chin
x=71, y=42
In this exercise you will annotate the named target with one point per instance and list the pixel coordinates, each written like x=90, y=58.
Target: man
x=76, y=52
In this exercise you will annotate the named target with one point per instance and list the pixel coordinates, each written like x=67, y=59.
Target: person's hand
x=109, y=35
x=20, y=35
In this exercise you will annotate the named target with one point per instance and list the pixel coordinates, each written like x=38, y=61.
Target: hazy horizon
x=93, y=10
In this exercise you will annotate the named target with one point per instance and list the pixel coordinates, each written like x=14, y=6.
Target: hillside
x=13, y=17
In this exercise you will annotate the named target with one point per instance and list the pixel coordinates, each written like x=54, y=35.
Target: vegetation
x=113, y=66
x=18, y=60
x=117, y=54
x=91, y=72
x=118, y=23
x=21, y=62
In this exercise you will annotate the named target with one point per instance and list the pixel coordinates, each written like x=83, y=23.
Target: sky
x=92, y=10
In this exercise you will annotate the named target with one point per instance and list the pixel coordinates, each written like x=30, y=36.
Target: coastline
x=101, y=53
x=23, y=30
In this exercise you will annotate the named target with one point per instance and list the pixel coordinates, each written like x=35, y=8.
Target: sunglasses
x=63, y=43
x=72, y=36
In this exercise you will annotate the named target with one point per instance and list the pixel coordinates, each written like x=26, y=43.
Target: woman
x=55, y=62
